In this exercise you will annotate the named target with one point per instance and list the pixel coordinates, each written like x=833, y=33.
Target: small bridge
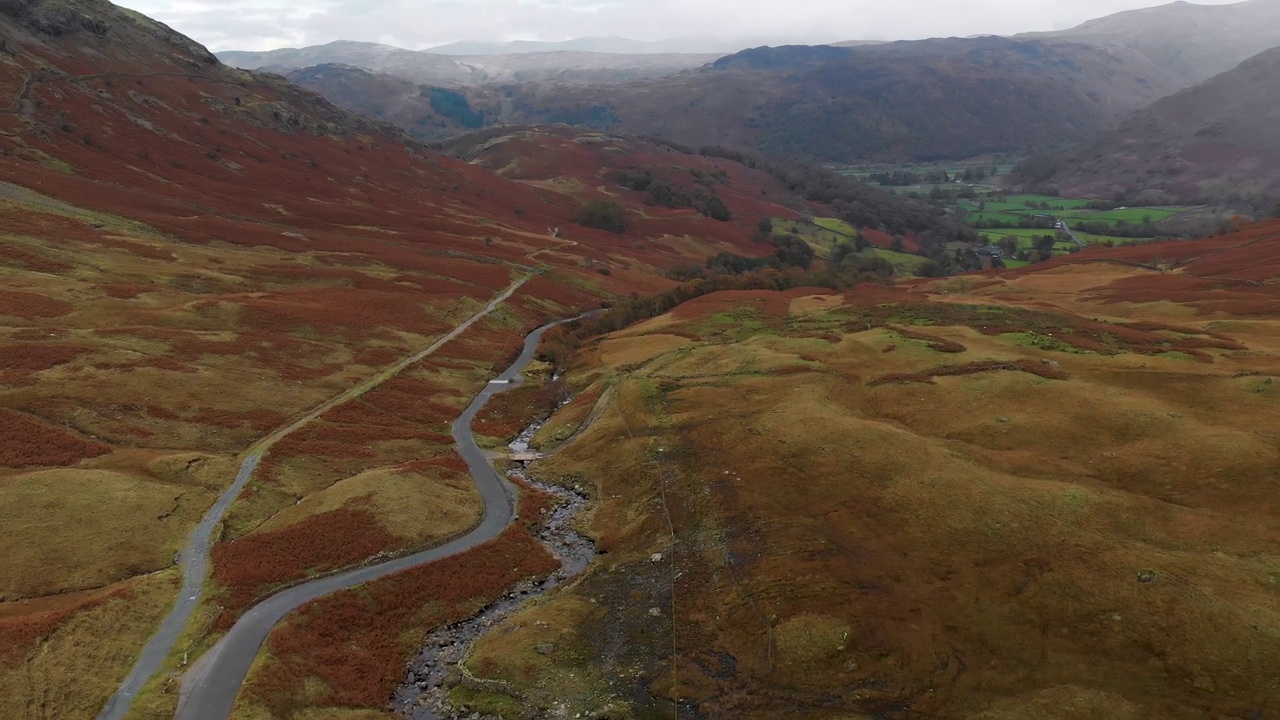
x=526, y=456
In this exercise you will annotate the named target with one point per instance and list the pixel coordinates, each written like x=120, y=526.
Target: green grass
x=901, y=261
x=1056, y=203
x=836, y=225
x=1044, y=342
x=821, y=238
x=484, y=702
x=1100, y=239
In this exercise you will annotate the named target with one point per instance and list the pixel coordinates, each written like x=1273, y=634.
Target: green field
x=1011, y=208
x=825, y=234
x=822, y=239
x=837, y=226
x=903, y=263
x=1027, y=238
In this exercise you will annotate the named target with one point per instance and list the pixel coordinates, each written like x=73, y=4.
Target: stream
x=424, y=695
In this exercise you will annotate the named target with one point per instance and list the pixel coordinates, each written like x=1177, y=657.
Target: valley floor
x=1033, y=495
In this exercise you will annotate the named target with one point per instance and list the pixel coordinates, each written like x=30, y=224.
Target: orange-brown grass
x=126, y=291
x=27, y=442
x=1091, y=530
x=934, y=342
x=927, y=376
x=247, y=568
x=260, y=420
x=506, y=414
x=11, y=254
x=568, y=419
x=353, y=645
x=1060, y=327
x=21, y=361
x=31, y=306
x=22, y=629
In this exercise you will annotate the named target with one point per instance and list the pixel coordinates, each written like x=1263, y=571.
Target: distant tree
x=897, y=244
x=603, y=215
x=794, y=252
x=717, y=210
x=635, y=180
x=931, y=269
x=1039, y=168
x=1276, y=211
x=1009, y=245
x=842, y=251
x=860, y=241
x=764, y=230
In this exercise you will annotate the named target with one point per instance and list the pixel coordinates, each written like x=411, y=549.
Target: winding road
x=194, y=556
x=209, y=689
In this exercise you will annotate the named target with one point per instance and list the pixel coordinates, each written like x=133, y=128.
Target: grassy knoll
x=86, y=643
x=84, y=548
x=959, y=504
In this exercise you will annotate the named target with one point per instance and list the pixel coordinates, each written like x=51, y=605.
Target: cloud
x=268, y=24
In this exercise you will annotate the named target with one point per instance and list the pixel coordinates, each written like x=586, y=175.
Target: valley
x=874, y=381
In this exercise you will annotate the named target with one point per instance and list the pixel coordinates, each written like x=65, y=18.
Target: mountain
x=429, y=114
x=1217, y=141
x=577, y=67
x=922, y=100
x=200, y=264
x=1192, y=42
x=239, y=326
x=610, y=44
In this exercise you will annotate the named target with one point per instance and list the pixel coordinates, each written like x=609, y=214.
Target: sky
x=418, y=24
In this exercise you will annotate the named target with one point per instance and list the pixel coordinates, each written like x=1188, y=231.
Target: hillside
x=896, y=101
x=1038, y=495
x=1219, y=141
x=429, y=114
x=1192, y=42
x=242, y=330
x=881, y=102
x=560, y=66
x=202, y=265
x=565, y=157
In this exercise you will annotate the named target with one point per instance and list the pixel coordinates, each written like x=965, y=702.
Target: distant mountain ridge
x=570, y=67
x=611, y=44
x=1218, y=141
x=920, y=100
x=943, y=98
x=1192, y=42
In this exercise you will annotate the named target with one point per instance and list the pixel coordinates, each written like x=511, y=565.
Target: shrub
x=717, y=210
x=603, y=215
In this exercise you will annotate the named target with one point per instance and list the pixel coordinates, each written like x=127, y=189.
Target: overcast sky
x=417, y=24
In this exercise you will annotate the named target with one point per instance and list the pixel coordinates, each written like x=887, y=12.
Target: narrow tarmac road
x=210, y=688
x=194, y=556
